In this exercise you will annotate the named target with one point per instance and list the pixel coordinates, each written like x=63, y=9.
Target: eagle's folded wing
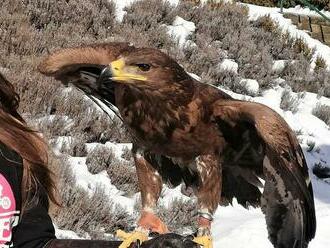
x=83, y=67
x=65, y=62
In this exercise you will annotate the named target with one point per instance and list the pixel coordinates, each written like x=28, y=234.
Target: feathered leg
x=208, y=194
x=150, y=184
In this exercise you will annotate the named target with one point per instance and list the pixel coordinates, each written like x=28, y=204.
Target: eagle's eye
x=143, y=67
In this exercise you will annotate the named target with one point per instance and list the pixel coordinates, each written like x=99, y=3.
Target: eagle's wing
x=287, y=199
x=83, y=66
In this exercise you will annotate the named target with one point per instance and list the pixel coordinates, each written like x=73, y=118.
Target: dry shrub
x=227, y=79
x=93, y=17
x=289, y=102
x=300, y=46
x=155, y=37
x=37, y=94
x=189, y=10
x=89, y=214
x=99, y=159
x=266, y=23
x=77, y=146
x=202, y=58
x=148, y=13
x=53, y=126
x=227, y=28
x=320, y=63
x=127, y=154
x=123, y=175
x=220, y=22
x=143, y=24
x=179, y=215
x=83, y=213
x=300, y=77
x=322, y=112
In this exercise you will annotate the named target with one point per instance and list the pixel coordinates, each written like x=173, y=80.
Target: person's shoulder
x=9, y=155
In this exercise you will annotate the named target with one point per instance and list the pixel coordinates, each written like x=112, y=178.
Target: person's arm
x=31, y=229
x=35, y=228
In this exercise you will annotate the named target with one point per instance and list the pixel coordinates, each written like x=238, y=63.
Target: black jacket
x=34, y=228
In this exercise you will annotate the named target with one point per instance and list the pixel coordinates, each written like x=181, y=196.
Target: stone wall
x=317, y=27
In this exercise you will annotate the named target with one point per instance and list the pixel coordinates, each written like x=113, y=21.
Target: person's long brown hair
x=15, y=133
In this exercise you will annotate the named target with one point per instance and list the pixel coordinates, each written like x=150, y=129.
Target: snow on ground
x=65, y=234
x=228, y=65
x=120, y=5
x=89, y=182
x=321, y=50
x=251, y=86
x=118, y=148
x=181, y=29
x=279, y=65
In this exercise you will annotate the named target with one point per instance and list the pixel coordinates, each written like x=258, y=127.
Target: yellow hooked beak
x=118, y=73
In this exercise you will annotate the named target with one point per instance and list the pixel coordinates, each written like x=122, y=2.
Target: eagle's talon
x=129, y=238
x=149, y=221
x=204, y=241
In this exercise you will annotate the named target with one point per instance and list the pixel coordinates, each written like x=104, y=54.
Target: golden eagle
x=191, y=132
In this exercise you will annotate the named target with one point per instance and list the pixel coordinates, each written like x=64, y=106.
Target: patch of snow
x=181, y=29
x=286, y=25
x=169, y=195
x=120, y=6
x=61, y=142
x=279, y=81
x=65, y=234
x=89, y=182
x=117, y=148
x=173, y=2
x=279, y=65
x=251, y=86
x=228, y=65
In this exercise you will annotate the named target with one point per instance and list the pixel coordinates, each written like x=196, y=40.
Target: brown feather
x=64, y=60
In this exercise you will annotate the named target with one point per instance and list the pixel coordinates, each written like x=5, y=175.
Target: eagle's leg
x=208, y=194
x=150, y=183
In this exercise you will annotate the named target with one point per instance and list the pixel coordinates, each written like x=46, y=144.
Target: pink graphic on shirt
x=8, y=214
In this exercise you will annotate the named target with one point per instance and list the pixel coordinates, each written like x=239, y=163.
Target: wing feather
x=86, y=68
x=287, y=200
x=66, y=61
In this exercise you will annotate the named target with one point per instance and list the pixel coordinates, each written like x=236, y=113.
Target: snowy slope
x=235, y=226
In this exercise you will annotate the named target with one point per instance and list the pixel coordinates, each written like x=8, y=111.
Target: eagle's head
x=97, y=69
x=147, y=68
